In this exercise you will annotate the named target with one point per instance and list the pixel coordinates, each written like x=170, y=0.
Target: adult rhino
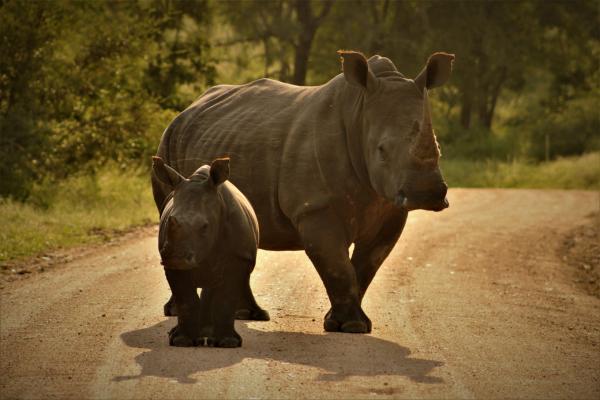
x=324, y=166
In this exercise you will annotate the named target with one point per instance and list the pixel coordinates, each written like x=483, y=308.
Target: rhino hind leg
x=324, y=241
x=246, y=314
x=247, y=308
x=170, y=308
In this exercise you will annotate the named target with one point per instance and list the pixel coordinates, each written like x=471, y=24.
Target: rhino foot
x=178, y=338
x=229, y=342
x=352, y=326
x=257, y=314
x=332, y=325
x=355, y=327
x=226, y=341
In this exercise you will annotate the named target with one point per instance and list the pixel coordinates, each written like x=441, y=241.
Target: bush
x=81, y=209
x=565, y=173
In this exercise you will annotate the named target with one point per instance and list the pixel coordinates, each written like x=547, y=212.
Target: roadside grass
x=92, y=209
x=79, y=210
x=565, y=173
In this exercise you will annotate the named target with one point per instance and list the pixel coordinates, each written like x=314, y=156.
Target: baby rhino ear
x=219, y=170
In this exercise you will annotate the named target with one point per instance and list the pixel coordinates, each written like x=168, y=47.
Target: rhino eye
x=415, y=130
x=381, y=153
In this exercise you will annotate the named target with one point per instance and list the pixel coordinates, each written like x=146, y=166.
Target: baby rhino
x=207, y=239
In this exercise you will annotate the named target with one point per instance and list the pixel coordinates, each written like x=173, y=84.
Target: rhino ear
x=219, y=170
x=165, y=174
x=436, y=72
x=356, y=70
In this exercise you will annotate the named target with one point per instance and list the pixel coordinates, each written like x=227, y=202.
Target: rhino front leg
x=326, y=244
x=187, y=332
x=370, y=253
x=170, y=309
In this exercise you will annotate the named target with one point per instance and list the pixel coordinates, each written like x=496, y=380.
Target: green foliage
x=80, y=209
x=523, y=71
x=564, y=173
x=74, y=78
x=25, y=33
x=178, y=69
x=284, y=30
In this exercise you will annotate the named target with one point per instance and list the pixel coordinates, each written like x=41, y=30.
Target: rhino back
x=267, y=128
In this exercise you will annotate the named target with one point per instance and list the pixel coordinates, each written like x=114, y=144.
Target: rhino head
x=190, y=225
x=399, y=146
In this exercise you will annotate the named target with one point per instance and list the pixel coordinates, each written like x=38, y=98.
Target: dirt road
x=475, y=301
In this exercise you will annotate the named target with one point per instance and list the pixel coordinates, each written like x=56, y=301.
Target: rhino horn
x=425, y=147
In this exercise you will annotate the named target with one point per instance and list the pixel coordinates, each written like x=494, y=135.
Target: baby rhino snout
x=171, y=258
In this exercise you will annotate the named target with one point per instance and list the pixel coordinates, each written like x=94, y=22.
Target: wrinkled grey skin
x=208, y=237
x=324, y=166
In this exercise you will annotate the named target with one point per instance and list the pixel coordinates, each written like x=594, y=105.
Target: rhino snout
x=434, y=200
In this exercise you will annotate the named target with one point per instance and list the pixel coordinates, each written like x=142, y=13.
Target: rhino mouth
x=175, y=259
x=176, y=263
x=420, y=202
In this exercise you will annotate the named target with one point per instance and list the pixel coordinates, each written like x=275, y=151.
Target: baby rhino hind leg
x=247, y=308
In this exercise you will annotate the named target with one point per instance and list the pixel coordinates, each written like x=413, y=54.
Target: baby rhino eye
x=202, y=226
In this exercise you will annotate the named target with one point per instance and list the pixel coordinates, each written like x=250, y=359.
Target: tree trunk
x=302, y=52
x=482, y=106
x=378, y=32
x=308, y=27
x=267, y=56
x=494, y=98
x=466, y=106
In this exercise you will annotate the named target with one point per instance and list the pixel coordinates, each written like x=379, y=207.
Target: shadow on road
x=339, y=355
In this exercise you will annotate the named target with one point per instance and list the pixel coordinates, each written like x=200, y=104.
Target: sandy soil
x=581, y=250
x=476, y=301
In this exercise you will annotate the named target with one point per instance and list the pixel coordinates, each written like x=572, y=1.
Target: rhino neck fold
x=353, y=100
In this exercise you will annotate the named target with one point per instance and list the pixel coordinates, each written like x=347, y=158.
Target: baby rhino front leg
x=217, y=330
x=247, y=308
x=224, y=301
x=187, y=332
